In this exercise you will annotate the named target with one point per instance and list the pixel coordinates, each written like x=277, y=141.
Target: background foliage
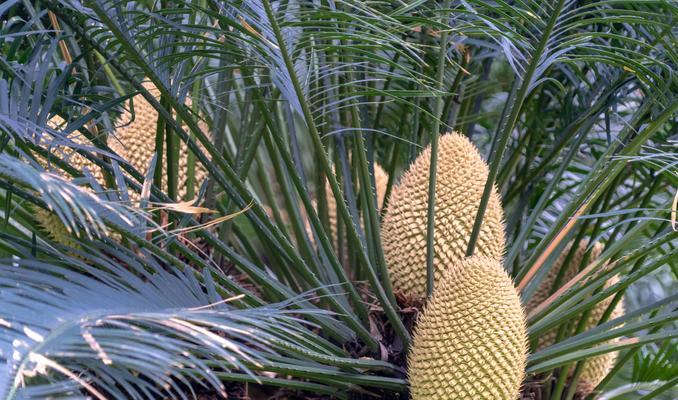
x=572, y=103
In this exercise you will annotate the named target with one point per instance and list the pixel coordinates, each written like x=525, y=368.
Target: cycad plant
x=191, y=210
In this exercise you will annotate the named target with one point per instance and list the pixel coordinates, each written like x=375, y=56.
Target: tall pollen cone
x=76, y=160
x=596, y=368
x=471, y=340
x=461, y=177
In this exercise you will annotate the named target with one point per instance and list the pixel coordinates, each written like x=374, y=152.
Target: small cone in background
x=48, y=221
x=134, y=141
x=461, y=177
x=137, y=138
x=380, y=183
x=471, y=340
x=596, y=368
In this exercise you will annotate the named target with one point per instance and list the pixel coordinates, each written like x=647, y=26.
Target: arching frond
x=120, y=336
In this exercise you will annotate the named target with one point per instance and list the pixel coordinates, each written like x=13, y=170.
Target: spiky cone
x=75, y=160
x=595, y=369
x=461, y=177
x=471, y=340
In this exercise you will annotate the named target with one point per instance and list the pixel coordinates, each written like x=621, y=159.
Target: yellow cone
x=596, y=368
x=471, y=340
x=461, y=176
x=50, y=223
